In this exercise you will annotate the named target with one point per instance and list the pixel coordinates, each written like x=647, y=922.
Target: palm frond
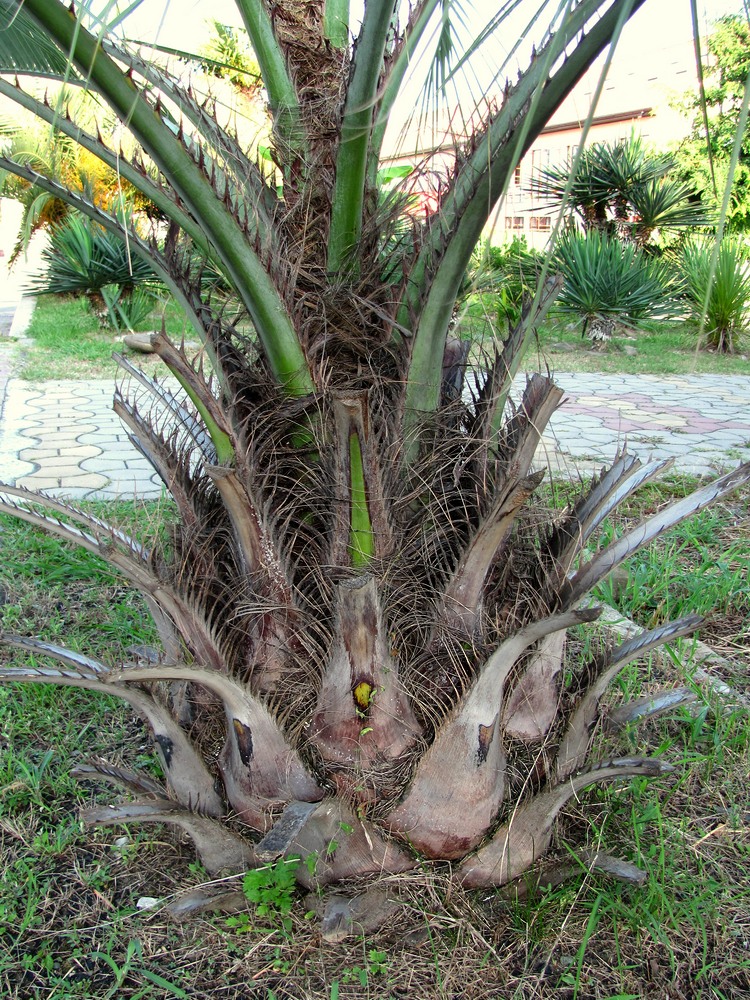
x=518, y=843
x=23, y=49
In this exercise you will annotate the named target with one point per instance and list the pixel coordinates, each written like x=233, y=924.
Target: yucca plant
x=362, y=610
x=82, y=258
x=718, y=288
x=606, y=282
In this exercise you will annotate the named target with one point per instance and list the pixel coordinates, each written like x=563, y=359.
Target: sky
x=665, y=22
x=182, y=23
x=658, y=34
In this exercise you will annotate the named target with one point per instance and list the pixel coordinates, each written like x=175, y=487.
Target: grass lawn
x=664, y=349
x=67, y=342
x=70, y=922
x=658, y=348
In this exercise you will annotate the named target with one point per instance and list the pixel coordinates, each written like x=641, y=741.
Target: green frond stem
x=463, y=215
x=737, y=148
x=262, y=300
x=702, y=92
x=119, y=164
x=361, y=530
x=532, y=315
x=202, y=398
x=225, y=452
x=282, y=95
x=478, y=185
x=161, y=395
x=248, y=174
x=135, y=243
x=336, y=22
x=362, y=543
x=356, y=128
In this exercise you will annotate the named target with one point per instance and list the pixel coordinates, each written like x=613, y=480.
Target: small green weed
x=270, y=890
x=376, y=965
x=128, y=968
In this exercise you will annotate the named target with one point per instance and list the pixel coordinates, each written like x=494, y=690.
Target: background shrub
x=609, y=282
x=84, y=259
x=717, y=283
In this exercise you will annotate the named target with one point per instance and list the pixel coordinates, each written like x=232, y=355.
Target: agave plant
x=362, y=609
x=607, y=282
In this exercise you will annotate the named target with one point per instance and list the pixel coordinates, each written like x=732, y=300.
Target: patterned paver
x=64, y=437
x=701, y=421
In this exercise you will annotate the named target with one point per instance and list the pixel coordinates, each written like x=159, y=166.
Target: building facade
x=637, y=97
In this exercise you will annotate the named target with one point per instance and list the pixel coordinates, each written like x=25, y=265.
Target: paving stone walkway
x=64, y=437
x=700, y=421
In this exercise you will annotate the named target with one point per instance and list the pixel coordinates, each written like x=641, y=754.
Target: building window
x=540, y=160
x=517, y=176
x=514, y=222
x=542, y=223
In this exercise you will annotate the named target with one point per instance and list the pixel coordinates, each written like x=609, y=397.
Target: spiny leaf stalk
x=362, y=600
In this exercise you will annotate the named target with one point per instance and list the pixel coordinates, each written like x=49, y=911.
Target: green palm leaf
x=24, y=49
x=359, y=588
